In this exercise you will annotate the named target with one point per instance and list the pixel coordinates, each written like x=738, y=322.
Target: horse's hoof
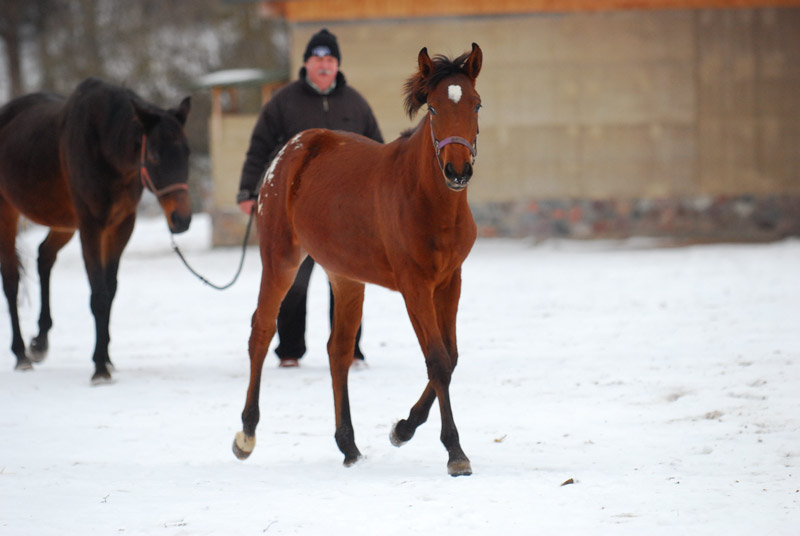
x=102, y=378
x=350, y=461
x=243, y=445
x=394, y=438
x=459, y=468
x=37, y=350
x=36, y=355
x=23, y=365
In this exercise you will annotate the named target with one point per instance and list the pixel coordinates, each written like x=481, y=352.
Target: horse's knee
x=340, y=350
x=440, y=369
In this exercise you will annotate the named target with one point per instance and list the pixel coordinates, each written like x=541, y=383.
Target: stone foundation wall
x=721, y=218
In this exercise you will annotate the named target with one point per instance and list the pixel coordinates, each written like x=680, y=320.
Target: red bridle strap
x=147, y=182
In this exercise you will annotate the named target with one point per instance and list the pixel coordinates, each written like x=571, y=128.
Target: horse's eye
x=432, y=110
x=478, y=107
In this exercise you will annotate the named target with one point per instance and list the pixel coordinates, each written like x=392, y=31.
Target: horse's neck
x=124, y=150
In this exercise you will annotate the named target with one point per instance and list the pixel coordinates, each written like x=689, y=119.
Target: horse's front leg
x=425, y=318
x=114, y=242
x=48, y=251
x=102, y=249
x=90, y=246
x=446, y=300
x=348, y=301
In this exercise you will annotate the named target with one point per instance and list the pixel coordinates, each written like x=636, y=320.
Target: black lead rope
x=241, y=261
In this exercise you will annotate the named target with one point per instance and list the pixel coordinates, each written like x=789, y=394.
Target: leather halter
x=437, y=145
x=147, y=181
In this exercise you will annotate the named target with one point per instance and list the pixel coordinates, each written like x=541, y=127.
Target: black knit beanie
x=322, y=43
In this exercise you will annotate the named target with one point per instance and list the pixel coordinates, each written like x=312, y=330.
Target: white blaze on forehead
x=454, y=92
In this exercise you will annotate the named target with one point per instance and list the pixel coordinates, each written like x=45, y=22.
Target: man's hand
x=247, y=206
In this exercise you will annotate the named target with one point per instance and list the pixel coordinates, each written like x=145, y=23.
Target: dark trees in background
x=154, y=47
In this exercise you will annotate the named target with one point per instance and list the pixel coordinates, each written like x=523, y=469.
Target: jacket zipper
x=325, y=103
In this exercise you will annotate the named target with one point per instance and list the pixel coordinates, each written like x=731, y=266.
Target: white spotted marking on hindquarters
x=270, y=173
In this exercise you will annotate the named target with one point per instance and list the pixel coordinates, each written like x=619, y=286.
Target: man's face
x=322, y=70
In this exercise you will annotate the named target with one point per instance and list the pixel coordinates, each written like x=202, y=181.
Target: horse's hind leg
x=276, y=278
x=48, y=250
x=9, y=268
x=348, y=302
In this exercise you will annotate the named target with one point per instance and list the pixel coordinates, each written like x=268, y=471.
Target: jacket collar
x=340, y=82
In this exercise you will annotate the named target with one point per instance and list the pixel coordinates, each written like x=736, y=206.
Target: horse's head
x=448, y=89
x=164, y=165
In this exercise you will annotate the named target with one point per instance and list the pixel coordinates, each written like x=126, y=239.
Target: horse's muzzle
x=179, y=224
x=457, y=181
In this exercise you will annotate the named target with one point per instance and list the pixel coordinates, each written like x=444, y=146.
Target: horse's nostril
x=179, y=224
x=450, y=172
x=467, y=174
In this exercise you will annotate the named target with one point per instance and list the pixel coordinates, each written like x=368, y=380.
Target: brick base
x=750, y=218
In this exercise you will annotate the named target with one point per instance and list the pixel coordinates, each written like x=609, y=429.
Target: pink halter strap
x=147, y=182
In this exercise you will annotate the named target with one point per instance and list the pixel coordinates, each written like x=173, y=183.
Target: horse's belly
x=46, y=203
x=346, y=255
x=32, y=181
x=62, y=218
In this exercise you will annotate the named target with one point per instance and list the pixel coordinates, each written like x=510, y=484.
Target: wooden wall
x=327, y=10
x=613, y=104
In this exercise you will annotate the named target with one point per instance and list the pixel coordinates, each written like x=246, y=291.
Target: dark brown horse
x=394, y=215
x=82, y=163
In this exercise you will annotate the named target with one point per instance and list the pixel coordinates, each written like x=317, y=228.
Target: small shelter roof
x=240, y=77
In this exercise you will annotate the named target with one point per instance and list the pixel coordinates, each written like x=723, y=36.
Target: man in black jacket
x=320, y=98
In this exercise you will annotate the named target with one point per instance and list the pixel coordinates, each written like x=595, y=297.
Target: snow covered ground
x=663, y=382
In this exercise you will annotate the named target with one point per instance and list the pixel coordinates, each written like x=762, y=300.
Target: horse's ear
x=182, y=111
x=146, y=117
x=472, y=67
x=425, y=63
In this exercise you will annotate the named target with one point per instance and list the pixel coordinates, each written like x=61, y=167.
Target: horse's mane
x=107, y=112
x=409, y=131
x=417, y=88
x=123, y=131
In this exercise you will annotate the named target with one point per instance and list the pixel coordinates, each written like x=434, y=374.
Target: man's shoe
x=289, y=362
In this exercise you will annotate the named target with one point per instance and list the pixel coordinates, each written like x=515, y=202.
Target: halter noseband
x=437, y=145
x=147, y=181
